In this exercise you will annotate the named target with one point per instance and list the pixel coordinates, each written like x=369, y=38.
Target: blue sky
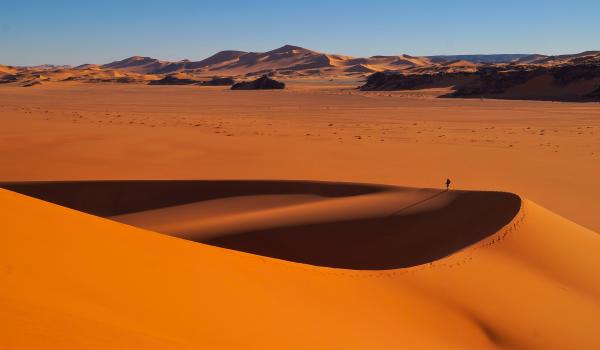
x=76, y=32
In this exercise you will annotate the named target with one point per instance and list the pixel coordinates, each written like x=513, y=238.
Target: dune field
x=186, y=217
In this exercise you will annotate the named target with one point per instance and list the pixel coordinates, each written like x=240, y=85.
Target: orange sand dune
x=7, y=69
x=291, y=223
x=287, y=60
x=73, y=280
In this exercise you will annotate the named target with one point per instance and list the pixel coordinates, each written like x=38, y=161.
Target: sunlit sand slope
x=70, y=280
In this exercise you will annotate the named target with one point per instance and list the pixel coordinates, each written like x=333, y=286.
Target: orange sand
x=92, y=283
x=526, y=279
x=548, y=152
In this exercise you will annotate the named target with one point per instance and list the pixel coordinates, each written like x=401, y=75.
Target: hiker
x=448, y=184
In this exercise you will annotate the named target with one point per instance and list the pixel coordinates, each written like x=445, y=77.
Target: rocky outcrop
x=594, y=95
x=497, y=80
x=172, y=80
x=262, y=83
x=32, y=83
x=563, y=75
x=561, y=82
x=391, y=81
x=493, y=80
x=9, y=78
x=218, y=81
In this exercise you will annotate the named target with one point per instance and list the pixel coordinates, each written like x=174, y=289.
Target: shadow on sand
x=399, y=238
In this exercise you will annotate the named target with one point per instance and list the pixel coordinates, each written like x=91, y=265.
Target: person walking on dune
x=448, y=184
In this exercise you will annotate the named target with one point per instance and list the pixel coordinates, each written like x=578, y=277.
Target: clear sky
x=89, y=31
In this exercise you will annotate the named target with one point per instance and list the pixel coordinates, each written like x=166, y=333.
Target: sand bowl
x=70, y=280
x=342, y=225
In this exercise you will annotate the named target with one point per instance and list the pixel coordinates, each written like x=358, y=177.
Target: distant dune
x=491, y=271
x=288, y=61
x=7, y=69
x=137, y=64
x=573, y=77
x=497, y=58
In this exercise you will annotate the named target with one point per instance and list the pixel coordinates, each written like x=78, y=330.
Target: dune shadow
x=396, y=239
x=110, y=198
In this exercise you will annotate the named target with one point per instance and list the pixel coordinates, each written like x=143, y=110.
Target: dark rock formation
x=491, y=80
x=390, y=81
x=9, y=78
x=261, y=83
x=496, y=80
x=125, y=80
x=594, y=95
x=564, y=75
x=218, y=81
x=173, y=80
x=32, y=83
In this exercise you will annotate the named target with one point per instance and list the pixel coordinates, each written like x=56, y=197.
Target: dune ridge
x=133, y=287
x=353, y=226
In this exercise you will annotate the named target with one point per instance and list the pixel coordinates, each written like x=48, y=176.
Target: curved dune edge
x=340, y=225
x=71, y=280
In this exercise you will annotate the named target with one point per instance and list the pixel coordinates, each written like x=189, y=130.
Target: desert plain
x=296, y=185
x=548, y=152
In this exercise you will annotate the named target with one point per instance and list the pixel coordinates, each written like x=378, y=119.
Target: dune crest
x=380, y=228
x=132, y=287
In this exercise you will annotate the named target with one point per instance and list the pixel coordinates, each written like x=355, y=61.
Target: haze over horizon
x=70, y=32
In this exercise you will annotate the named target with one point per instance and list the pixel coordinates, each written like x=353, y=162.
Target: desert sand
x=548, y=152
x=378, y=256
x=103, y=284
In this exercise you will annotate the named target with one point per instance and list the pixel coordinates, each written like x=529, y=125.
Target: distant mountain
x=586, y=56
x=287, y=60
x=499, y=58
x=290, y=60
x=137, y=64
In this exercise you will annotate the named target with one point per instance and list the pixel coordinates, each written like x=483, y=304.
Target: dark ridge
x=218, y=81
x=490, y=81
x=262, y=83
x=492, y=58
x=172, y=80
x=109, y=198
x=391, y=81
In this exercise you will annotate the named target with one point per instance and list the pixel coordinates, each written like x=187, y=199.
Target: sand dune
x=85, y=74
x=572, y=77
x=138, y=64
x=299, y=223
x=288, y=61
x=7, y=69
x=72, y=280
x=295, y=264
